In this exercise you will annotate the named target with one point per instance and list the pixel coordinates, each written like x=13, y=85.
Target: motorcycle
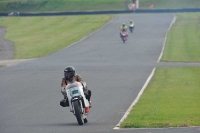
x=131, y=27
x=124, y=36
x=78, y=103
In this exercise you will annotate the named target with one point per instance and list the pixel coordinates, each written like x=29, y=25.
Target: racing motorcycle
x=131, y=27
x=124, y=36
x=78, y=103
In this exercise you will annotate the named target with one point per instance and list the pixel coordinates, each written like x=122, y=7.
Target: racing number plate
x=74, y=92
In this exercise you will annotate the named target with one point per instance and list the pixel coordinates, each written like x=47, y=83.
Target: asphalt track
x=114, y=71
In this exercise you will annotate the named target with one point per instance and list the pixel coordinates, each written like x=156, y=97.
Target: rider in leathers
x=70, y=76
x=123, y=28
x=131, y=23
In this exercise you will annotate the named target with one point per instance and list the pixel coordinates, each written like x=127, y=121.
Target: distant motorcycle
x=124, y=36
x=131, y=27
x=78, y=103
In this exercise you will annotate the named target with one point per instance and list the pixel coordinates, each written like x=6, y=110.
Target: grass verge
x=62, y=5
x=170, y=100
x=36, y=37
x=169, y=4
x=183, y=39
x=88, y=5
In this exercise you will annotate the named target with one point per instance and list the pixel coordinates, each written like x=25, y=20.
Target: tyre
x=78, y=113
x=131, y=29
x=124, y=39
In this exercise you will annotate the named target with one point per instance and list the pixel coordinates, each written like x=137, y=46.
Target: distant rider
x=70, y=77
x=123, y=28
x=131, y=24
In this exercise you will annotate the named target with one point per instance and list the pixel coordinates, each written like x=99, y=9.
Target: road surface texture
x=115, y=72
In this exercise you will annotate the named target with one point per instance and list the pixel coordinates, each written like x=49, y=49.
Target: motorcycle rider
x=123, y=28
x=69, y=77
x=131, y=24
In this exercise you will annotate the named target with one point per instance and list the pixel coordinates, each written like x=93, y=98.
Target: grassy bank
x=183, y=39
x=88, y=5
x=172, y=4
x=35, y=37
x=62, y=5
x=170, y=100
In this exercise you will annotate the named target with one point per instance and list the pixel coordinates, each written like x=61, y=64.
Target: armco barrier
x=3, y=14
x=109, y=12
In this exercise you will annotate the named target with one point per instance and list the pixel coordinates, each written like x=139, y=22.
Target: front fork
x=84, y=111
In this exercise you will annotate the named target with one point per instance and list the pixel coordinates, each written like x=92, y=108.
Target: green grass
x=36, y=37
x=88, y=5
x=170, y=100
x=183, y=39
x=62, y=5
x=172, y=4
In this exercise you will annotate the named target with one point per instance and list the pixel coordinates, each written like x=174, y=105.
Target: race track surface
x=115, y=72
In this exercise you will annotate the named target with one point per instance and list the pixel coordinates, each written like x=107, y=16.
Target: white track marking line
x=173, y=21
x=136, y=100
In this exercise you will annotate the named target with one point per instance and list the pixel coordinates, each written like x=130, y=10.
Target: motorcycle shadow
x=54, y=125
x=66, y=124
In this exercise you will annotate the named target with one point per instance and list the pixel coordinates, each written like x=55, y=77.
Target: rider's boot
x=64, y=102
x=88, y=96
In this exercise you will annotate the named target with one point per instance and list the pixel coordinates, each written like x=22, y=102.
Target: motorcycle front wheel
x=123, y=39
x=78, y=112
